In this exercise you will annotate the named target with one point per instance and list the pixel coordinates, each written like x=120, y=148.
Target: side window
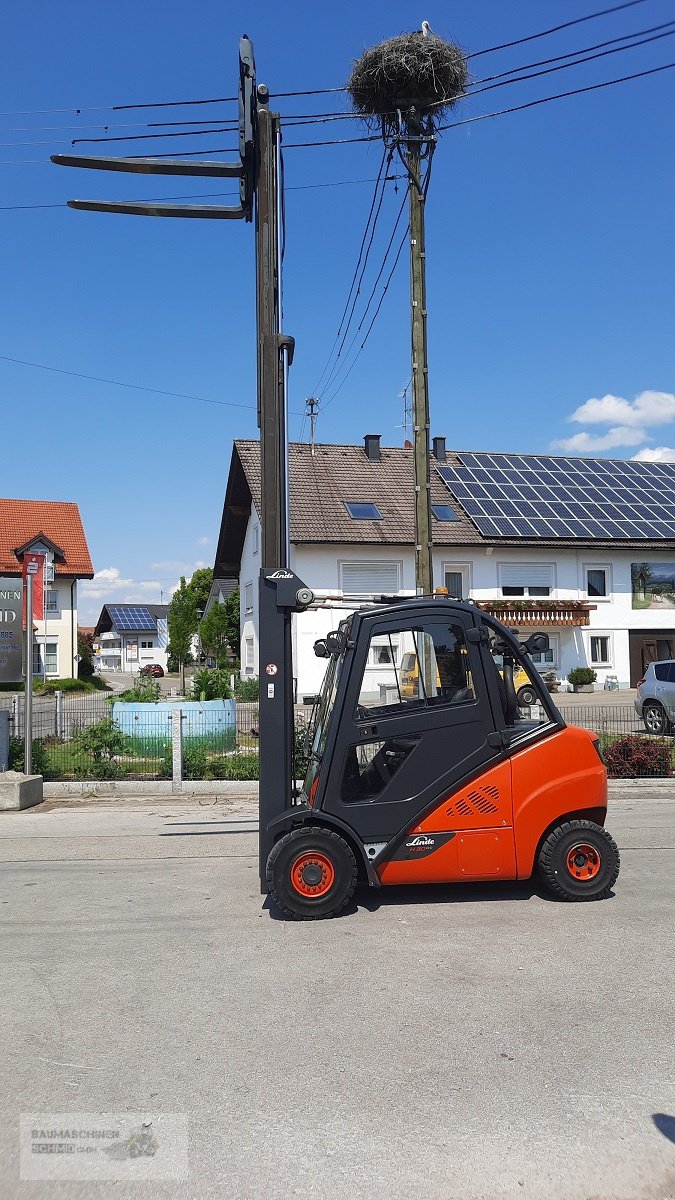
x=664, y=672
x=419, y=667
x=370, y=766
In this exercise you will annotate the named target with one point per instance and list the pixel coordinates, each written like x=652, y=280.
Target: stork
x=427, y=31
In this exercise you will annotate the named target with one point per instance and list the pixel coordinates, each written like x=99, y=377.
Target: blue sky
x=550, y=259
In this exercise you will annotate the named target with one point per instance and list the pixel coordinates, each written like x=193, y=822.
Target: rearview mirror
x=537, y=643
x=334, y=642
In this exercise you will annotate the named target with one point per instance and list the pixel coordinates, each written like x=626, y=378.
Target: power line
x=338, y=367
x=592, y=87
x=370, y=327
x=556, y=28
x=577, y=62
x=118, y=383
x=545, y=62
x=358, y=261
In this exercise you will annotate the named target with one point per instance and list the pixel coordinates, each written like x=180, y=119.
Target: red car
x=152, y=669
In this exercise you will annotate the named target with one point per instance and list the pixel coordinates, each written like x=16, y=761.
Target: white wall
x=249, y=574
x=319, y=567
x=59, y=628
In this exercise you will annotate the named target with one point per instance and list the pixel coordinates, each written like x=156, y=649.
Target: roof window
x=443, y=512
x=360, y=511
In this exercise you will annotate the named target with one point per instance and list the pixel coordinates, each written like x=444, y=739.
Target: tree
x=85, y=649
x=218, y=635
x=182, y=622
x=200, y=586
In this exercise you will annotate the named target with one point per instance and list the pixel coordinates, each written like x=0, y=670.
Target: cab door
x=397, y=755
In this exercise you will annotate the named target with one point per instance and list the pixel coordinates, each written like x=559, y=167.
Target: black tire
x=655, y=720
x=588, y=875
x=333, y=875
x=527, y=696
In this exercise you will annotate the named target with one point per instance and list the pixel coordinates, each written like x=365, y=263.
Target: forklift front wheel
x=579, y=861
x=311, y=873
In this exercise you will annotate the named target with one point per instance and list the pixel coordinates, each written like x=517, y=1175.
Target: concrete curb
x=619, y=789
x=90, y=789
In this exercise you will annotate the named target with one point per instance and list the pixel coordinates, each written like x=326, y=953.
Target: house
x=130, y=636
x=581, y=549
x=52, y=528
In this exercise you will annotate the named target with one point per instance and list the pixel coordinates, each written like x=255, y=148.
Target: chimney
x=371, y=445
x=439, y=448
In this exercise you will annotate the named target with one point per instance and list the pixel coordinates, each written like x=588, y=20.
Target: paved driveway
x=463, y=1044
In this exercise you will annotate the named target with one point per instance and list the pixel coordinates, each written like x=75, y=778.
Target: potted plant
x=582, y=679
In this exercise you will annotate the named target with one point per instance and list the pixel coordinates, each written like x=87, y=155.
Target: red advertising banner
x=34, y=565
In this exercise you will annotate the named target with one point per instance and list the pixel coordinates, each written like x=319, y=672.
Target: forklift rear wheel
x=579, y=861
x=311, y=873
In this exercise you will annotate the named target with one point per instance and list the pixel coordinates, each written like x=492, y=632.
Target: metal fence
x=75, y=737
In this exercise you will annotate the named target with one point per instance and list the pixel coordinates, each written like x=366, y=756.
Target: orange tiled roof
x=57, y=520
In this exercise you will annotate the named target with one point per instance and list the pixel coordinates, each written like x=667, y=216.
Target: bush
x=582, y=675
x=246, y=690
x=144, y=691
x=194, y=762
x=211, y=684
x=300, y=759
x=633, y=757
x=234, y=766
x=17, y=758
x=61, y=685
x=99, y=744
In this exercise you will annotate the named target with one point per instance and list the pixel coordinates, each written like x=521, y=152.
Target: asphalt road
x=459, y=1044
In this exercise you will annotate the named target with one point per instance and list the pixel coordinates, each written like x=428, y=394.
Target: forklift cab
x=447, y=781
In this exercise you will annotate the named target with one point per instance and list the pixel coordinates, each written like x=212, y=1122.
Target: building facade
x=605, y=602
x=128, y=637
x=54, y=529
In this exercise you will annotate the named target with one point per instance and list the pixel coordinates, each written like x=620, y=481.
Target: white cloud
x=583, y=443
x=655, y=454
x=647, y=409
x=204, y=541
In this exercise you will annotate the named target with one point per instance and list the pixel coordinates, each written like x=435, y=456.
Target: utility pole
x=312, y=411
x=28, y=695
x=420, y=370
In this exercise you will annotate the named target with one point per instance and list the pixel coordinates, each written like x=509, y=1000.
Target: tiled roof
x=321, y=483
x=59, y=521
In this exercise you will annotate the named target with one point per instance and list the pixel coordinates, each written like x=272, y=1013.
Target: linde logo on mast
x=281, y=575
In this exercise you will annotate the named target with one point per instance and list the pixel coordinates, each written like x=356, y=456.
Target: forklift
x=453, y=783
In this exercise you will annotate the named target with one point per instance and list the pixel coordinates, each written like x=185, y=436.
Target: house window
x=45, y=658
x=526, y=579
x=443, y=512
x=146, y=645
x=52, y=601
x=370, y=578
x=383, y=652
x=359, y=511
x=597, y=583
x=601, y=650
x=248, y=656
x=248, y=598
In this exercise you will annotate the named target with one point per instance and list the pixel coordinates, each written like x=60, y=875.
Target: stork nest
x=408, y=71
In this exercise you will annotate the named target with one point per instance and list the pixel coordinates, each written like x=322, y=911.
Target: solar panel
x=508, y=495
x=131, y=616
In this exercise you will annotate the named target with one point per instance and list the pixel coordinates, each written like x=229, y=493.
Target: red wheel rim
x=583, y=861
x=312, y=874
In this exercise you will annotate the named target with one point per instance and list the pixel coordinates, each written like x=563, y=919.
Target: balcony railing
x=538, y=612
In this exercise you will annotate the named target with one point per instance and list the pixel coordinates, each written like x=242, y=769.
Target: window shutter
x=366, y=578
x=526, y=575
